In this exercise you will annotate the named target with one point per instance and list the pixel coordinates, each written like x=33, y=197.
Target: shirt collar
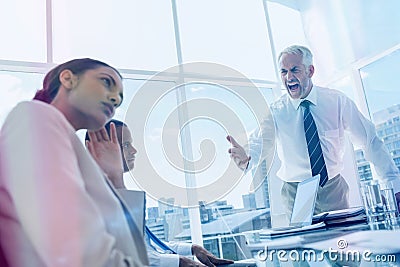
x=312, y=97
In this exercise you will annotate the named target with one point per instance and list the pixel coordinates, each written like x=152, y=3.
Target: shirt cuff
x=184, y=249
x=169, y=260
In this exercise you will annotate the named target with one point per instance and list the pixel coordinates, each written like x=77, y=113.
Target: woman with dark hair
x=106, y=152
x=102, y=148
x=56, y=206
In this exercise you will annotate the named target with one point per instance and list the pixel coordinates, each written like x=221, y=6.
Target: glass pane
x=147, y=110
x=214, y=112
x=379, y=82
x=131, y=86
x=341, y=32
x=141, y=36
x=17, y=87
x=380, y=87
x=23, y=31
x=268, y=94
x=145, y=125
x=281, y=17
x=152, y=116
x=345, y=85
x=232, y=33
x=370, y=31
x=163, y=218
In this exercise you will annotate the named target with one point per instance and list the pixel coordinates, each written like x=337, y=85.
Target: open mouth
x=293, y=87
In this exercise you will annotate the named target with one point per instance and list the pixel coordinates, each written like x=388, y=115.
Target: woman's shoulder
x=34, y=105
x=38, y=108
x=36, y=112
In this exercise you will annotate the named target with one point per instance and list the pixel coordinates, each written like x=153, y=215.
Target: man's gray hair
x=298, y=50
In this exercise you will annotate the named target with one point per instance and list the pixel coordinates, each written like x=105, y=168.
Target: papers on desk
x=290, y=231
x=340, y=217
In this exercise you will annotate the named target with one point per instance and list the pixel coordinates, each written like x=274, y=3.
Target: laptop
x=304, y=202
x=302, y=213
x=136, y=203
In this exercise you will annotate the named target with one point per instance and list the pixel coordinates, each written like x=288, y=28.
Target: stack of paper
x=345, y=216
x=289, y=231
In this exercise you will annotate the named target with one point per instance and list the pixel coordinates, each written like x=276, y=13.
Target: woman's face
x=94, y=96
x=128, y=151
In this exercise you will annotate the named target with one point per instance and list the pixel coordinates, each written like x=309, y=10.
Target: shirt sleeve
x=362, y=132
x=158, y=259
x=181, y=248
x=42, y=175
x=261, y=147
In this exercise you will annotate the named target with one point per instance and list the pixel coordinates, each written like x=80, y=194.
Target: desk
x=352, y=245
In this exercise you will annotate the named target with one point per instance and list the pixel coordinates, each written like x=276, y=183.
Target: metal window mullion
x=276, y=90
x=49, y=32
x=190, y=178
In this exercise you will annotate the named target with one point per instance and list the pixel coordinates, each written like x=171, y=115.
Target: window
x=380, y=89
x=23, y=30
x=16, y=87
x=141, y=36
x=231, y=33
x=286, y=26
x=140, y=41
x=382, y=98
x=345, y=85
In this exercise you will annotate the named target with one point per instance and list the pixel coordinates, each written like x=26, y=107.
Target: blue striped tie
x=317, y=161
x=158, y=242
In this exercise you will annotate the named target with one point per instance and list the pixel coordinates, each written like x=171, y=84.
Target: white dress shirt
x=55, y=206
x=159, y=258
x=334, y=115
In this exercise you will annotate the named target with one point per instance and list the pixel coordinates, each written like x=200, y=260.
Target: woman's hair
x=107, y=126
x=51, y=82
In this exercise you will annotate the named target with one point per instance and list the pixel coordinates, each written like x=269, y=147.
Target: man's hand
x=238, y=154
x=206, y=257
x=106, y=151
x=186, y=262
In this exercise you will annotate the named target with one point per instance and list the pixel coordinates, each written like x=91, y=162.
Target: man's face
x=295, y=76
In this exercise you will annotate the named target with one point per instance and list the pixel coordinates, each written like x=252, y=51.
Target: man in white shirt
x=107, y=152
x=334, y=115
